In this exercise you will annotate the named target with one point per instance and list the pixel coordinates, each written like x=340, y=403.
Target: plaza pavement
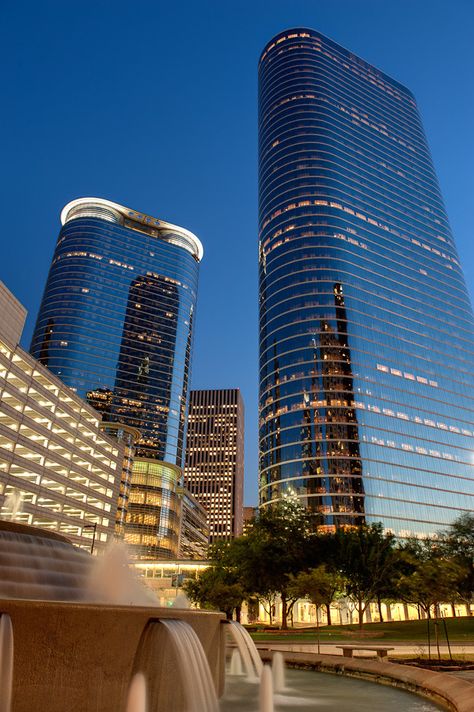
x=400, y=649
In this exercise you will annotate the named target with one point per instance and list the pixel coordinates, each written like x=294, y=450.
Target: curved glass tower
x=366, y=329
x=115, y=324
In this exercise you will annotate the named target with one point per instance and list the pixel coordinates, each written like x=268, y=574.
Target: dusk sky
x=154, y=105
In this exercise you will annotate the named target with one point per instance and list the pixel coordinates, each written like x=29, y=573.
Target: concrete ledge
x=452, y=692
x=80, y=657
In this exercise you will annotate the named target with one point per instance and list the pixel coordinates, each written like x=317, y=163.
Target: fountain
x=248, y=652
x=137, y=697
x=235, y=667
x=6, y=662
x=41, y=565
x=266, y=690
x=13, y=503
x=82, y=634
x=99, y=642
x=278, y=671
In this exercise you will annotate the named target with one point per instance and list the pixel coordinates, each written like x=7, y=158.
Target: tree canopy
x=281, y=556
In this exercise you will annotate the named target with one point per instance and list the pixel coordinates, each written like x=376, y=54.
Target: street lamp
x=94, y=528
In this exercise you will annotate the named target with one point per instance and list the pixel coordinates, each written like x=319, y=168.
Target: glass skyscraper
x=115, y=324
x=366, y=329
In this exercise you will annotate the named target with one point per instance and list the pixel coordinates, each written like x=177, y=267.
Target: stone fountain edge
x=455, y=694
x=76, y=648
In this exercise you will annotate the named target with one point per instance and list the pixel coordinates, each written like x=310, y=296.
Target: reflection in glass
x=142, y=394
x=115, y=324
x=366, y=329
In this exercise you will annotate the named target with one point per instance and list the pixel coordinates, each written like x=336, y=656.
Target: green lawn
x=460, y=630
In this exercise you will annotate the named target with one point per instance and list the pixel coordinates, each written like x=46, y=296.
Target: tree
x=216, y=589
x=368, y=561
x=432, y=582
x=431, y=579
x=274, y=548
x=318, y=585
x=458, y=545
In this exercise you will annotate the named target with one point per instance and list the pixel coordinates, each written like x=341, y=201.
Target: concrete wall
x=80, y=658
x=12, y=316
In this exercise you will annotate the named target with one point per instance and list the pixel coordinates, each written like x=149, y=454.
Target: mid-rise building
x=366, y=328
x=214, y=469
x=58, y=470
x=152, y=525
x=116, y=324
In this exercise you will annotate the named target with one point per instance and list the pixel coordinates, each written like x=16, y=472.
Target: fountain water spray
x=266, y=690
x=112, y=580
x=181, y=601
x=198, y=686
x=236, y=663
x=278, y=671
x=13, y=503
x=136, y=701
x=6, y=662
x=251, y=659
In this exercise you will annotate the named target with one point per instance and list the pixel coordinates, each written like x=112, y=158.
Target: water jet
x=72, y=649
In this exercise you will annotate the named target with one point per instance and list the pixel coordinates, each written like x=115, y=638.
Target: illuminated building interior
x=214, y=459
x=53, y=456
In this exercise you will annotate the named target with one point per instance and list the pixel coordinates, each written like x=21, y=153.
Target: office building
x=214, y=469
x=127, y=437
x=58, y=471
x=164, y=521
x=249, y=514
x=194, y=529
x=115, y=324
x=366, y=329
x=153, y=518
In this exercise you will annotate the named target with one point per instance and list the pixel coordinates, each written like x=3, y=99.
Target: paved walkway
x=400, y=649
x=464, y=674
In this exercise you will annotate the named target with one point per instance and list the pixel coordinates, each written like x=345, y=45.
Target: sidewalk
x=400, y=649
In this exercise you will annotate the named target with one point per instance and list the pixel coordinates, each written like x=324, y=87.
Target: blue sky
x=153, y=105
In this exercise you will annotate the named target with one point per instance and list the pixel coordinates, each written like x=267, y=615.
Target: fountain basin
x=451, y=692
x=309, y=691
x=81, y=657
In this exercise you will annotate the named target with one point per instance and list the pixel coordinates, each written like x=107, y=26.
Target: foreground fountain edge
x=80, y=657
x=452, y=692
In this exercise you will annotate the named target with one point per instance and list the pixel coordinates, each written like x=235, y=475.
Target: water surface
x=324, y=692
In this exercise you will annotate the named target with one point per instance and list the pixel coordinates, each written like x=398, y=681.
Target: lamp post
x=94, y=528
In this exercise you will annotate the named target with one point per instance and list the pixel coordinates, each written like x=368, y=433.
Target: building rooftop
x=113, y=212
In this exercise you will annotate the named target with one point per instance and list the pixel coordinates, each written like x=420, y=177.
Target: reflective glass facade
x=366, y=329
x=154, y=511
x=194, y=531
x=116, y=319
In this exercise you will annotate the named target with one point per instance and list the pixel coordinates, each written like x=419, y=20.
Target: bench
x=381, y=650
